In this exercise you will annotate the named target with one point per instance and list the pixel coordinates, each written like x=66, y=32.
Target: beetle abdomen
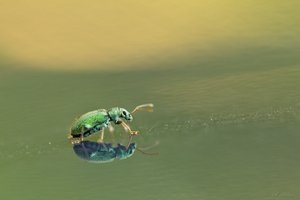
x=89, y=123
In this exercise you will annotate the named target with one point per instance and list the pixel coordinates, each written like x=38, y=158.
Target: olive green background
x=227, y=106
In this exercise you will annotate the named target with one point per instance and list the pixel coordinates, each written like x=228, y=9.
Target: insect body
x=103, y=152
x=94, y=121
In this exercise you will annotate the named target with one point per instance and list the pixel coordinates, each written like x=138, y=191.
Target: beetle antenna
x=148, y=154
x=144, y=107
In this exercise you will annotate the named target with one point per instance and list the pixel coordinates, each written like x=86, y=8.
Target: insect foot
x=135, y=133
x=74, y=140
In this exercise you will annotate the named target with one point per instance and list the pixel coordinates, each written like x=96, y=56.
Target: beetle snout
x=129, y=118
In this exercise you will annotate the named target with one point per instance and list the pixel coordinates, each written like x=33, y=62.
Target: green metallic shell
x=89, y=119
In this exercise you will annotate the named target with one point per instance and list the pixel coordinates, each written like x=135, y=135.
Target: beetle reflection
x=103, y=152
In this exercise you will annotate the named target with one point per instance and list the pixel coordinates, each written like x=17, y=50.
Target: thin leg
x=101, y=136
x=127, y=128
x=111, y=131
x=110, y=128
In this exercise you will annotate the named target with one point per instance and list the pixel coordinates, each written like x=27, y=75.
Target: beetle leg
x=110, y=128
x=111, y=131
x=101, y=136
x=127, y=128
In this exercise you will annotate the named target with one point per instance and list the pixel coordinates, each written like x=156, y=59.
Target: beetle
x=97, y=120
x=105, y=152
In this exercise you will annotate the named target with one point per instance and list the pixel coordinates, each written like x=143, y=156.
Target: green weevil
x=97, y=120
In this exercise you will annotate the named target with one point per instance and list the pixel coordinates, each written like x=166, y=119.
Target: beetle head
x=122, y=152
x=125, y=114
x=131, y=149
x=117, y=113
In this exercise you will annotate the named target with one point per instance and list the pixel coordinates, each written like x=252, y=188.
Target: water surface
x=222, y=134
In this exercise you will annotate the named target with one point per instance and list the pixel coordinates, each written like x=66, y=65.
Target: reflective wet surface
x=221, y=135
